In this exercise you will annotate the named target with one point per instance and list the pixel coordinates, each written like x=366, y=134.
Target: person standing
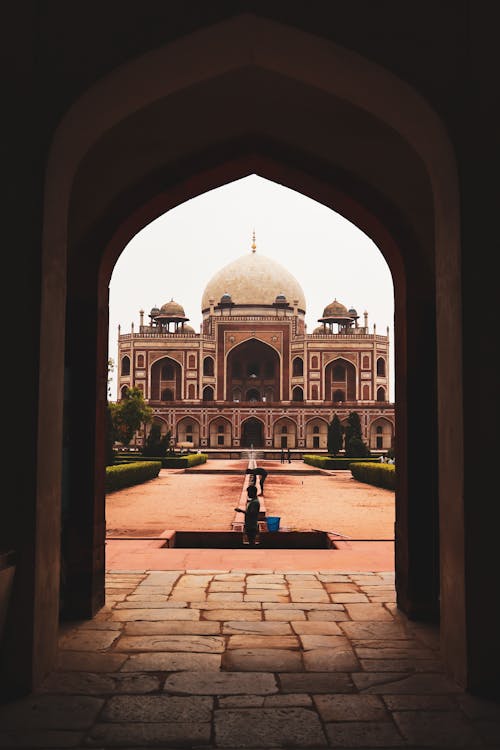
x=289, y=456
x=251, y=525
x=282, y=456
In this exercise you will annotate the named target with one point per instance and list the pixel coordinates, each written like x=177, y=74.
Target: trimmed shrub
x=331, y=462
x=128, y=474
x=380, y=475
x=167, y=462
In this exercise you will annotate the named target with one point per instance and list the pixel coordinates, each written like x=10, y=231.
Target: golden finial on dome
x=254, y=246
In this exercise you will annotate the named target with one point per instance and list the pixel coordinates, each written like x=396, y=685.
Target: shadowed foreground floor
x=240, y=659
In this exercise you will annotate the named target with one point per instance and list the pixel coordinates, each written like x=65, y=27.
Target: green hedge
x=167, y=462
x=380, y=475
x=128, y=474
x=329, y=462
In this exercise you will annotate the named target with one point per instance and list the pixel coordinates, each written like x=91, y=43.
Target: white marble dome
x=253, y=279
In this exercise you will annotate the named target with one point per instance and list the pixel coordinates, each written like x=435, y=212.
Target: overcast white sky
x=176, y=255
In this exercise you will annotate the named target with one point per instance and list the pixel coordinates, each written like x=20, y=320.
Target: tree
x=335, y=436
x=129, y=414
x=156, y=444
x=354, y=445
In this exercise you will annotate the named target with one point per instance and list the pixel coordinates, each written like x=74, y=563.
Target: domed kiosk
x=253, y=376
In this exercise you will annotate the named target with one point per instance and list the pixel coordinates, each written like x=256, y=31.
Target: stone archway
x=252, y=433
x=412, y=134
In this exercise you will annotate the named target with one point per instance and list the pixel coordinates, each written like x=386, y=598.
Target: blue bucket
x=273, y=523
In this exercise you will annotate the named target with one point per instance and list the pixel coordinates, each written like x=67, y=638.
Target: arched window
x=380, y=394
x=125, y=365
x=167, y=395
x=167, y=372
x=314, y=363
x=366, y=392
x=339, y=395
x=191, y=390
x=284, y=429
x=189, y=433
x=236, y=394
x=314, y=393
x=298, y=394
x=192, y=361
x=381, y=367
x=316, y=429
x=252, y=395
x=298, y=366
x=140, y=360
x=123, y=391
x=366, y=362
x=208, y=393
x=208, y=366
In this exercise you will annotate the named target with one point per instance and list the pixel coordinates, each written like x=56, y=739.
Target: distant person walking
x=282, y=456
x=289, y=456
x=251, y=525
x=260, y=472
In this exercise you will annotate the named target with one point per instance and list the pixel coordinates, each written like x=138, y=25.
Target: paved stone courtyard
x=239, y=659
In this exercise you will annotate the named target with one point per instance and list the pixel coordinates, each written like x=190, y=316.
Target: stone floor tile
x=262, y=660
x=222, y=586
x=232, y=615
x=90, y=683
x=306, y=606
x=225, y=596
x=43, y=738
x=187, y=595
x=226, y=605
x=316, y=682
x=321, y=615
x=258, y=595
x=265, y=578
x=194, y=580
x=284, y=615
x=387, y=631
x=176, y=613
x=367, y=734
x=87, y=661
x=298, y=576
x=167, y=627
x=98, y=625
x=340, y=587
x=268, y=727
x=332, y=642
x=443, y=729
x=259, y=627
x=72, y=712
x=266, y=586
x=154, y=603
x=304, y=583
x=130, y=734
x=329, y=577
x=309, y=595
x=208, y=644
x=347, y=597
x=316, y=628
x=401, y=665
x=382, y=598
x=351, y=708
x=241, y=701
x=171, y=662
x=229, y=577
x=157, y=708
x=367, y=612
x=252, y=640
x=289, y=699
x=221, y=683
x=88, y=640
x=383, y=683
x=161, y=577
x=419, y=702
x=326, y=660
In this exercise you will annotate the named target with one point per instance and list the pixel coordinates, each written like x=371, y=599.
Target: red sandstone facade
x=253, y=376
